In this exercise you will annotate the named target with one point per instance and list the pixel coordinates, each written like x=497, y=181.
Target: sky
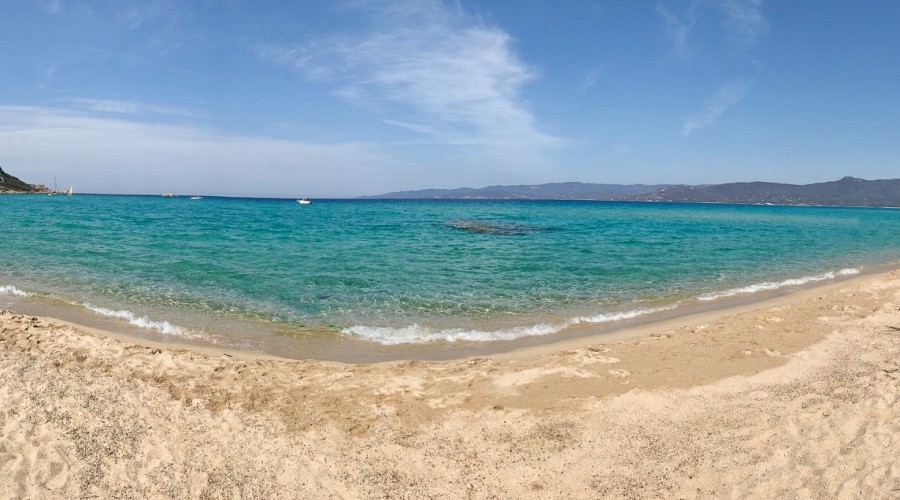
x=360, y=97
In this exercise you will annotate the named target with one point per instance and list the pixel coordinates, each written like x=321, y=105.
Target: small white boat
x=304, y=201
x=196, y=197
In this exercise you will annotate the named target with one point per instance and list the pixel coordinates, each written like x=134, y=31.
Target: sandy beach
x=791, y=397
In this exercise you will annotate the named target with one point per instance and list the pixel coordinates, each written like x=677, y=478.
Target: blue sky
x=347, y=98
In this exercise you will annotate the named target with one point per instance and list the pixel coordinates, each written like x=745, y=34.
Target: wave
x=775, y=285
x=620, y=316
x=416, y=334
x=163, y=327
x=419, y=334
x=11, y=290
x=144, y=322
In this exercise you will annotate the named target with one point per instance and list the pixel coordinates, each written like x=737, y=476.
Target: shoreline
x=521, y=349
x=800, y=393
x=294, y=299
x=331, y=346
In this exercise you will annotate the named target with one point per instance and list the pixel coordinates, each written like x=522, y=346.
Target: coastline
x=301, y=296
x=336, y=347
x=795, y=393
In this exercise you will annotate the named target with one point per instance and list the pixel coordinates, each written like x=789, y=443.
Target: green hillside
x=12, y=184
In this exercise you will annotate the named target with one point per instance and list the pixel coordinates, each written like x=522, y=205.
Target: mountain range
x=553, y=191
x=849, y=191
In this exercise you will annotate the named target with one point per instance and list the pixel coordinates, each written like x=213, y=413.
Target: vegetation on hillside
x=12, y=184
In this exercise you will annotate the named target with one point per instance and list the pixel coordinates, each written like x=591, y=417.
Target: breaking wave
x=144, y=322
x=417, y=334
x=775, y=285
x=11, y=290
x=163, y=327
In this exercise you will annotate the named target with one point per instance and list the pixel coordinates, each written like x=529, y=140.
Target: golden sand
x=792, y=397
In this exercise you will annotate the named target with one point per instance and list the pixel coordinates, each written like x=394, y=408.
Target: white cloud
x=590, y=79
x=428, y=65
x=98, y=154
x=722, y=99
x=735, y=25
x=124, y=107
x=742, y=21
x=50, y=6
x=677, y=29
x=415, y=127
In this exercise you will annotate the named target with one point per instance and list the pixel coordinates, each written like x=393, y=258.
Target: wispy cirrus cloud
x=744, y=20
x=590, y=79
x=124, y=107
x=705, y=26
x=740, y=22
x=425, y=64
x=414, y=127
x=50, y=6
x=677, y=28
x=720, y=101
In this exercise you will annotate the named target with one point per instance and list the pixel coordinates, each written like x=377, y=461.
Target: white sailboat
x=69, y=192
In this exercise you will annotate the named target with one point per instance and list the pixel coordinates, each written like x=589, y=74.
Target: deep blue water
x=415, y=271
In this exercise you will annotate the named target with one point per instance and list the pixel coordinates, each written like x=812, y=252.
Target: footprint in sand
x=591, y=355
x=452, y=400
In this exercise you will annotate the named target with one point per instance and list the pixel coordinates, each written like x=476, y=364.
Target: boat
x=304, y=201
x=168, y=195
x=55, y=188
x=69, y=192
x=196, y=197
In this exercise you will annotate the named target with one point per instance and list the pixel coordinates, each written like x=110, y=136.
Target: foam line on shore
x=144, y=322
x=768, y=286
x=417, y=334
x=11, y=290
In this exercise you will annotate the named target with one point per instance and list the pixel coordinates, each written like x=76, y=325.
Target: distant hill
x=12, y=184
x=555, y=191
x=848, y=191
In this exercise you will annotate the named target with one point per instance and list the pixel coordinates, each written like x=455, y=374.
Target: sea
x=375, y=280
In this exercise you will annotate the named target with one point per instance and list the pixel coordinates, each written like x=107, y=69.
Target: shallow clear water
x=415, y=271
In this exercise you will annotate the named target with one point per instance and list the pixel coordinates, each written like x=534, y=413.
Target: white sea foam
x=621, y=316
x=11, y=290
x=775, y=285
x=163, y=327
x=416, y=334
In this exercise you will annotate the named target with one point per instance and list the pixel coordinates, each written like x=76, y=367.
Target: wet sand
x=795, y=396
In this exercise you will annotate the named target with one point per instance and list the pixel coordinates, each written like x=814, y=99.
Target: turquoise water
x=396, y=272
